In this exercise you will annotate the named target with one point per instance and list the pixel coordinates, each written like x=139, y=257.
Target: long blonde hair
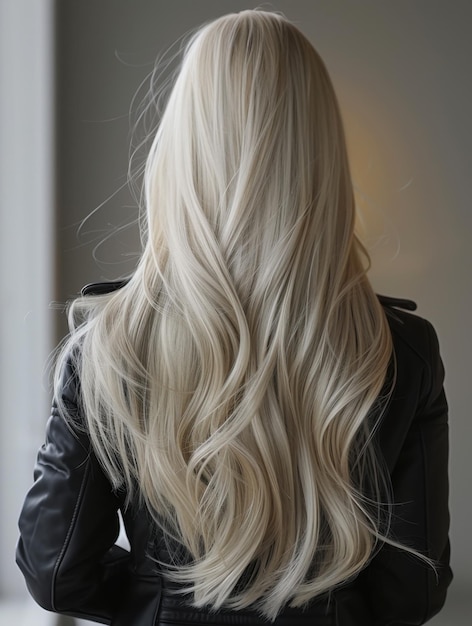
x=237, y=377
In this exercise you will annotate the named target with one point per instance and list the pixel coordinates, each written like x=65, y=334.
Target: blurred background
x=68, y=73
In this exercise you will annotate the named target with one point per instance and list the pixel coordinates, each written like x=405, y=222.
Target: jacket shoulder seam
x=398, y=303
x=103, y=288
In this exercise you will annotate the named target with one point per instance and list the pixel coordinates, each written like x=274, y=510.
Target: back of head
x=232, y=378
x=252, y=148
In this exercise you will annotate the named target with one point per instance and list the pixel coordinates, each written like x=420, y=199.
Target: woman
x=273, y=433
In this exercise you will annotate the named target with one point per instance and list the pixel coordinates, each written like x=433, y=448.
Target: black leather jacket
x=69, y=522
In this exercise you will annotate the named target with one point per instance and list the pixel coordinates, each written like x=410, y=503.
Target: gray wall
x=402, y=72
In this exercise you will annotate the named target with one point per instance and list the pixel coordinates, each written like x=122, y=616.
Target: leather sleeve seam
x=426, y=526
x=429, y=362
x=67, y=539
x=427, y=375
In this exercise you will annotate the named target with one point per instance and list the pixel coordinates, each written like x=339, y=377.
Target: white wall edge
x=26, y=256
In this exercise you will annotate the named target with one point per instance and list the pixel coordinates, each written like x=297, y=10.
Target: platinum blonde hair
x=237, y=378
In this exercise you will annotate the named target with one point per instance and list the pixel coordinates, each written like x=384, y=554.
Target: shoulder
x=412, y=334
x=103, y=287
x=418, y=364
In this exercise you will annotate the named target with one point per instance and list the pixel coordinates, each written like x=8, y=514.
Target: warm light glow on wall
x=398, y=216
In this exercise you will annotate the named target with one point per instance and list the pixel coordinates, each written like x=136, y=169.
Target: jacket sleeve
x=69, y=524
x=401, y=588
